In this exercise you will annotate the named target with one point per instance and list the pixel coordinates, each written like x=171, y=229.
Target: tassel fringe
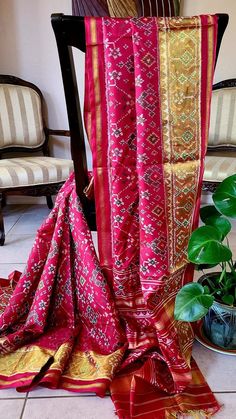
x=194, y=414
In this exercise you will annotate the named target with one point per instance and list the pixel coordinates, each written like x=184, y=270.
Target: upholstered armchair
x=221, y=154
x=25, y=165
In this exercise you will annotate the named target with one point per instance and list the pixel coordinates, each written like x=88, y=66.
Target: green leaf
x=225, y=197
x=223, y=225
x=205, y=246
x=191, y=303
x=228, y=299
x=208, y=211
x=212, y=285
x=206, y=289
x=230, y=282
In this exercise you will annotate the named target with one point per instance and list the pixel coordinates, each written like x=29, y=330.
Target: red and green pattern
x=83, y=324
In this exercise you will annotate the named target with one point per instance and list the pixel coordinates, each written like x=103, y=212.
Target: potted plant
x=213, y=297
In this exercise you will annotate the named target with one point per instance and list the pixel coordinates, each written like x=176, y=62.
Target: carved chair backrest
x=222, y=133
x=21, y=115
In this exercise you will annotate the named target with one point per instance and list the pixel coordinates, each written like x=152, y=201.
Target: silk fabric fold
x=77, y=322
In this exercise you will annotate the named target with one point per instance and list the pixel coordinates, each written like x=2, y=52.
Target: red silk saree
x=72, y=321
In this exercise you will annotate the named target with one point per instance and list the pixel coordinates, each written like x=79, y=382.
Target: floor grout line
x=13, y=225
x=12, y=398
x=63, y=397
x=23, y=408
x=225, y=392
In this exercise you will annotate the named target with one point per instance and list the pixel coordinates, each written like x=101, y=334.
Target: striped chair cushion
x=123, y=8
x=20, y=117
x=30, y=171
x=223, y=116
x=217, y=168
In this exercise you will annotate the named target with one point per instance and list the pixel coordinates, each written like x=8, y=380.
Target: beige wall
x=226, y=65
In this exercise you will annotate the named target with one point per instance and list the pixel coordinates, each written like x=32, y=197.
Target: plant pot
x=219, y=324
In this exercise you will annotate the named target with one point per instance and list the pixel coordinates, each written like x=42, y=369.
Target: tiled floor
x=21, y=223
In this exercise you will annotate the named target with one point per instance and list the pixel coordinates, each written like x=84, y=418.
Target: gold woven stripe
x=18, y=172
x=180, y=114
x=122, y=8
x=218, y=168
x=223, y=114
x=20, y=117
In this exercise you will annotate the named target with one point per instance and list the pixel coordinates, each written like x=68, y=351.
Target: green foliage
x=209, y=247
x=225, y=197
x=220, y=223
x=205, y=246
x=192, y=302
x=207, y=212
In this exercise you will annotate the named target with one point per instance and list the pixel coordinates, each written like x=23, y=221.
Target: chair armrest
x=61, y=132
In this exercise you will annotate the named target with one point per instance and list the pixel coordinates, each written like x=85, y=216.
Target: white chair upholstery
x=218, y=168
x=21, y=123
x=23, y=137
x=220, y=161
x=222, y=130
x=30, y=171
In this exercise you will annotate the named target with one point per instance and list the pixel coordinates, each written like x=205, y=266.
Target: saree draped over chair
x=83, y=324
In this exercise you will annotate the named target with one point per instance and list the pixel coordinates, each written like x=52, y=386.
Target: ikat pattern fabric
x=86, y=324
x=148, y=147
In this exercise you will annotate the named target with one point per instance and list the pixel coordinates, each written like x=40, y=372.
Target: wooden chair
x=23, y=137
x=221, y=154
x=70, y=32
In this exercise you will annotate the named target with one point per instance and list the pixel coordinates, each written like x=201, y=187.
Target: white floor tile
x=11, y=214
x=95, y=240
x=28, y=224
x=37, y=209
x=218, y=369
x=7, y=268
x=46, y=392
x=70, y=408
x=11, y=409
x=9, y=222
x=16, y=248
x=14, y=209
x=11, y=393
x=228, y=410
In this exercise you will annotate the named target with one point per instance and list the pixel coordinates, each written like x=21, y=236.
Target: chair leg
x=49, y=201
x=2, y=232
x=3, y=201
